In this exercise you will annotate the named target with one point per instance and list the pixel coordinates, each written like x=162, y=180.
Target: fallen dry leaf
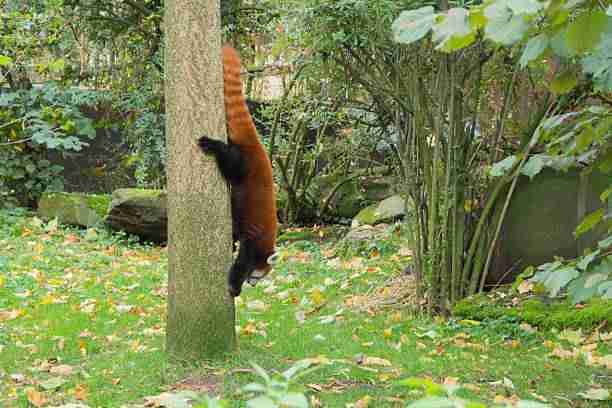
x=367, y=360
x=564, y=354
x=363, y=402
x=81, y=392
x=595, y=394
x=35, y=398
x=62, y=369
x=525, y=287
x=6, y=315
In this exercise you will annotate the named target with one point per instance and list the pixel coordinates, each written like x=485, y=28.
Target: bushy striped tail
x=240, y=124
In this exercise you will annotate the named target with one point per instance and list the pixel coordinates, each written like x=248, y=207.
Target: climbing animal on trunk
x=244, y=163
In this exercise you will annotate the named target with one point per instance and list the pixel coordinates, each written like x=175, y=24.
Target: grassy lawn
x=82, y=317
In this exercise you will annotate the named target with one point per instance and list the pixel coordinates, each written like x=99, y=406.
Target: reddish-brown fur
x=257, y=215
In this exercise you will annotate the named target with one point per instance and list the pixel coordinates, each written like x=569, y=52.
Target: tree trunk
x=200, y=311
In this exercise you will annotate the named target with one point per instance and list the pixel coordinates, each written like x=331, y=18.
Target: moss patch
x=537, y=311
x=74, y=208
x=368, y=215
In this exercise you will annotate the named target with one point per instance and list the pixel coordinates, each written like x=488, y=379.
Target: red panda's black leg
x=229, y=158
x=243, y=266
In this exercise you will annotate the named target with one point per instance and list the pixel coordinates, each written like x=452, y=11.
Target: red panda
x=244, y=163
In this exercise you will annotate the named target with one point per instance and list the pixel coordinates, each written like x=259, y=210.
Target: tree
x=200, y=311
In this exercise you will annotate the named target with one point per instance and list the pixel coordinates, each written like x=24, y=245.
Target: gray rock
x=140, y=212
x=74, y=208
x=388, y=209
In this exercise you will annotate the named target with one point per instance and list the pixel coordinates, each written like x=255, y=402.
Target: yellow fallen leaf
x=387, y=333
x=6, y=315
x=376, y=361
x=451, y=381
x=48, y=299
x=317, y=297
x=35, y=398
x=62, y=369
x=525, y=287
x=81, y=392
x=83, y=347
x=318, y=360
x=564, y=354
x=363, y=402
x=396, y=317
x=248, y=329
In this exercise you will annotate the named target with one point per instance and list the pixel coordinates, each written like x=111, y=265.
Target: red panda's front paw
x=207, y=144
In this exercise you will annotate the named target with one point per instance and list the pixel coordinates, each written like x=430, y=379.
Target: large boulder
x=74, y=208
x=389, y=209
x=541, y=220
x=139, y=212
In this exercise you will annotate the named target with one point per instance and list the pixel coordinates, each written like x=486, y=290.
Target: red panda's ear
x=272, y=259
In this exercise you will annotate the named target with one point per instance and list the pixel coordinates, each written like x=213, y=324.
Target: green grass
x=96, y=302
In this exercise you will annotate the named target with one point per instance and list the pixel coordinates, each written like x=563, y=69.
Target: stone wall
x=542, y=217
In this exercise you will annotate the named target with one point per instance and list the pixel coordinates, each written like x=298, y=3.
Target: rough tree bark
x=200, y=311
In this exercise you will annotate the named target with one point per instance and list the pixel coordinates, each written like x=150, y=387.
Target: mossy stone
x=558, y=314
x=74, y=208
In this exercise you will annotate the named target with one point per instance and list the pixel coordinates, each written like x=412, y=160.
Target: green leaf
x=261, y=402
x=557, y=279
x=603, y=130
x=604, y=196
x=558, y=44
x=605, y=243
x=504, y=27
x=599, y=63
x=8, y=99
x=85, y=128
x=5, y=60
x=605, y=290
x=533, y=166
x=261, y=372
x=564, y=83
x=30, y=168
x=254, y=387
x=587, y=259
x=570, y=4
x=430, y=388
x=453, y=31
x=477, y=19
x=585, y=138
x=534, y=48
x=292, y=371
x=584, y=33
x=589, y=222
x=586, y=286
x=294, y=400
x=432, y=403
x=412, y=25
x=524, y=6
x=58, y=65
x=502, y=167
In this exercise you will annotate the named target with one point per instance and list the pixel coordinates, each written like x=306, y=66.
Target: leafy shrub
x=34, y=121
x=144, y=130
